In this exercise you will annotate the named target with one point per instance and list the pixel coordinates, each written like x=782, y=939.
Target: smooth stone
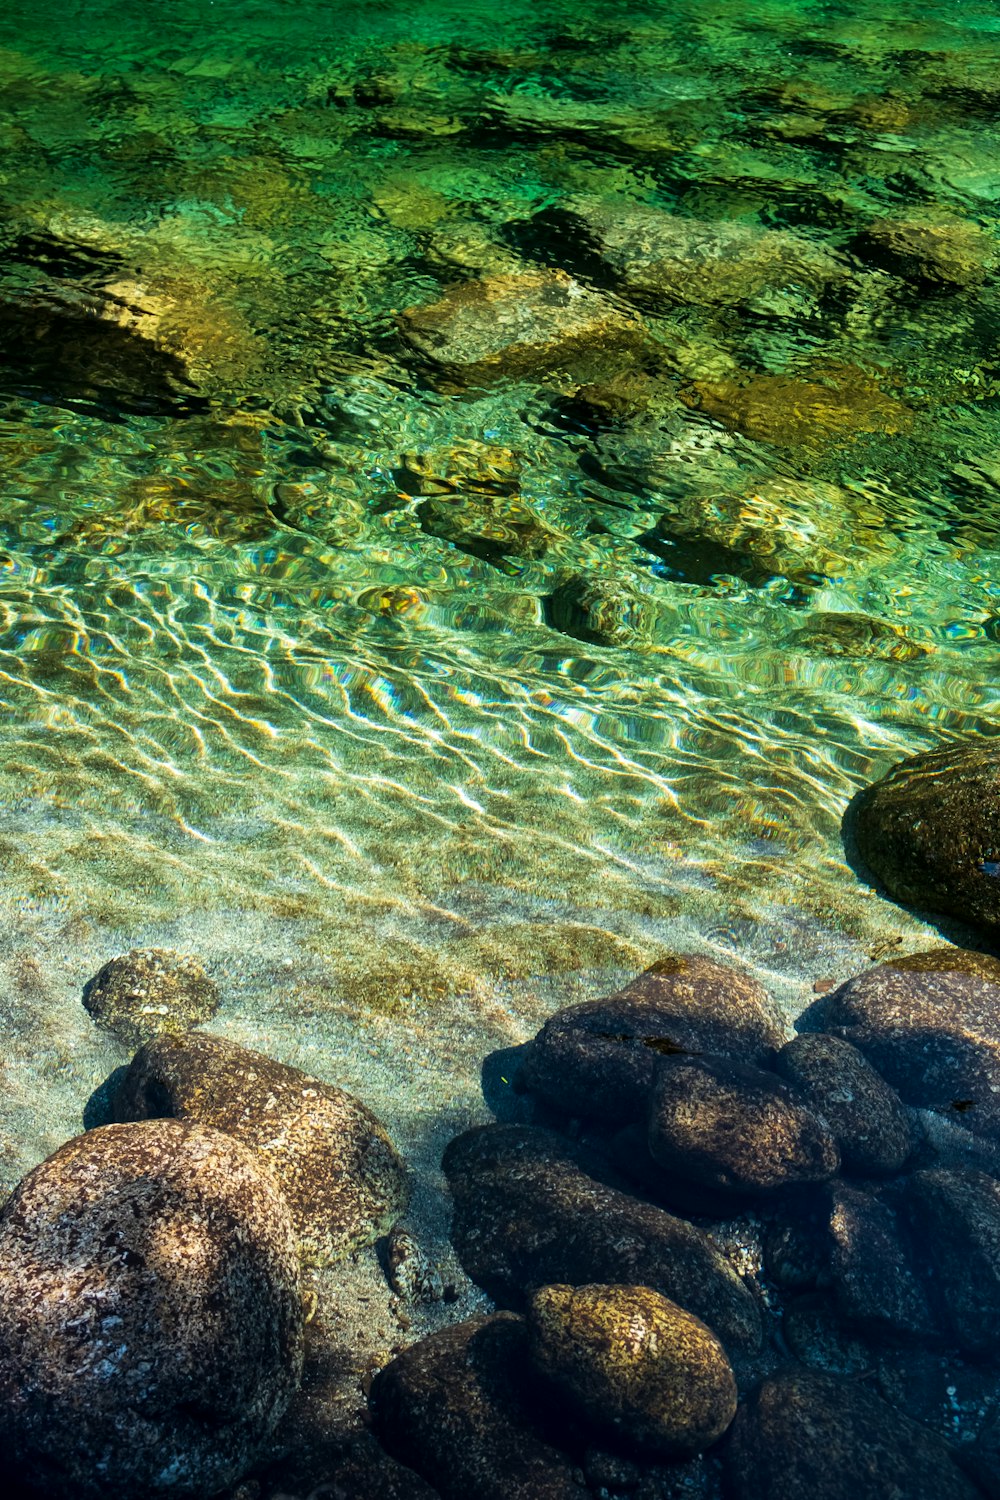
x=874, y=1278
x=866, y=1116
x=955, y=1216
x=813, y=1436
x=930, y=831
x=150, y=992
x=151, y=1326
x=631, y=1360
x=343, y=1179
x=458, y=1407
x=736, y=1127
x=601, y=611
x=513, y=325
x=531, y=1210
x=598, y=1059
x=930, y=1024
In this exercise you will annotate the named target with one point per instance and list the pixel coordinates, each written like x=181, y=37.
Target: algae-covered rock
x=866, y=1116
x=832, y=633
x=531, y=1209
x=811, y=1436
x=150, y=992
x=485, y=468
x=632, y=1361
x=458, y=1408
x=338, y=1169
x=599, y=1058
x=736, y=1127
x=930, y=251
x=602, y=611
x=930, y=1025
x=505, y=325
x=792, y=412
x=930, y=831
x=150, y=1314
x=488, y=526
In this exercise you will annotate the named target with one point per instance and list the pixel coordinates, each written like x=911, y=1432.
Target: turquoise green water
x=245, y=665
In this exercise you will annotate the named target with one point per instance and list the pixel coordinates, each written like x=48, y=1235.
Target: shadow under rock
x=100, y=1107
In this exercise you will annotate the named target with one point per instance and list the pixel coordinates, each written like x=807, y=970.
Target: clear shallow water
x=240, y=673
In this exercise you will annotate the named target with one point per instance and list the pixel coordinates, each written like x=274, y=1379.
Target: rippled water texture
x=471, y=665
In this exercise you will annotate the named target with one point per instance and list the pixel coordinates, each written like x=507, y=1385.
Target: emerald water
x=264, y=663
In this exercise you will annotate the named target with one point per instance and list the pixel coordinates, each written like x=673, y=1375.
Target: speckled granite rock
x=930, y=831
x=338, y=1169
x=874, y=1278
x=866, y=1116
x=736, y=1127
x=150, y=992
x=633, y=1361
x=528, y=1213
x=930, y=1024
x=510, y=325
x=458, y=1408
x=150, y=1314
x=956, y=1220
x=821, y=1437
x=598, y=1059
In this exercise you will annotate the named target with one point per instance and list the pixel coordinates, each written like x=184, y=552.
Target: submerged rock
x=873, y=1273
x=338, y=1169
x=150, y=992
x=736, y=1127
x=150, y=1314
x=939, y=251
x=599, y=1059
x=487, y=526
x=930, y=831
x=930, y=1024
x=831, y=633
x=632, y=1361
x=866, y=1116
x=602, y=611
x=458, y=1408
x=819, y=1437
x=791, y=412
x=529, y=1213
x=956, y=1218
x=499, y=326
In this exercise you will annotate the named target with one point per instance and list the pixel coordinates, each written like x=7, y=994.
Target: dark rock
x=874, y=1280
x=866, y=1116
x=816, y=1334
x=633, y=1361
x=150, y=992
x=510, y=325
x=819, y=1437
x=338, y=1169
x=599, y=1058
x=930, y=1024
x=458, y=1408
x=956, y=1221
x=601, y=610
x=736, y=1127
x=797, y=1242
x=629, y=1152
x=930, y=831
x=830, y=633
x=529, y=1213
x=486, y=526
x=358, y=1470
x=150, y=1314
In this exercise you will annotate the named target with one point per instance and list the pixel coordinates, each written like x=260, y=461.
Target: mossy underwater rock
x=602, y=611
x=930, y=1024
x=598, y=1059
x=458, y=1407
x=930, y=831
x=150, y=1315
x=531, y=1209
x=150, y=992
x=342, y=1177
x=634, y=1362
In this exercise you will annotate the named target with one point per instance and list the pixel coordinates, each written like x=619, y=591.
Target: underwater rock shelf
x=722, y=1260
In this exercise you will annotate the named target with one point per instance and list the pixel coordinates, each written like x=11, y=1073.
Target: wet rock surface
x=528, y=1214
x=930, y=831
x=817, y=1437
x=735, y=1127
x=956, y=1218
x=930, y=1024
x=150, y=1314
x=600, y=1058
x=634, y=1362
x=340, y=1173
x=866, y=1116
x=149, y=992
